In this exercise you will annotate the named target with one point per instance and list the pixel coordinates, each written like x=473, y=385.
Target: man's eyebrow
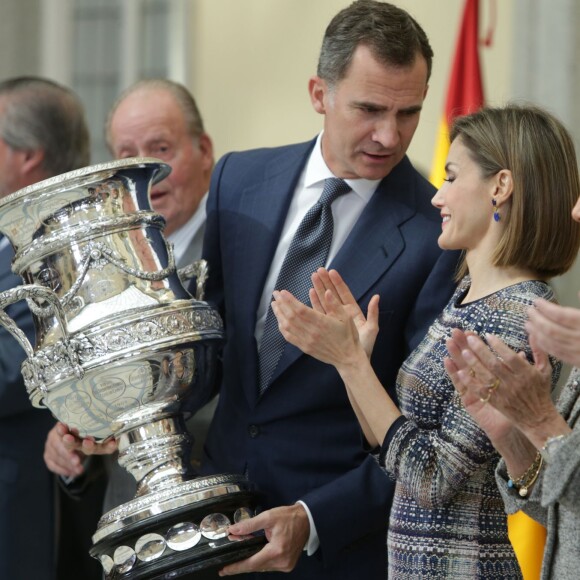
x=378, y=107
x=411, y=109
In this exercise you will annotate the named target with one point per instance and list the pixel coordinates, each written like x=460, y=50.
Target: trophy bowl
x=123, y=350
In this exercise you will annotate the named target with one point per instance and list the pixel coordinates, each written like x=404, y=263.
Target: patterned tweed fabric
x=555, y=498
x=448, y=518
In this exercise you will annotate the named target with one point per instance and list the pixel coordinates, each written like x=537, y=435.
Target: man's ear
x=317, y=88
x=206, y=148
x=31, y=161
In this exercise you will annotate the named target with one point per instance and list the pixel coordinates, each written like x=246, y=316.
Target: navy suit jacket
x=26, y=491
x=301, y=439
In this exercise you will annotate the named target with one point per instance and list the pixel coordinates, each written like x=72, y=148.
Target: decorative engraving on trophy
x=74, y=306
x=64, y=359
x=116, y=408
x=177, y=323
x=59, y=361
x=78, y=402
x=50, y=278
x=118, y=339
x=109, y=388
x=91, y=423
x=158, y=497
x=58, y=408
x=95, y=257
x=142, y=377
x=146, y=331
x=100, y=290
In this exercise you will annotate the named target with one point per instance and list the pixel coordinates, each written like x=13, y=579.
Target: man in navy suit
x=325, y=499
x=42, y=133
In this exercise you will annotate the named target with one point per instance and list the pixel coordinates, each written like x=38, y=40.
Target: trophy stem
x=157, y=453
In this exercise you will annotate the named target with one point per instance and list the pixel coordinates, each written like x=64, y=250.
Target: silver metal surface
x=121, y=348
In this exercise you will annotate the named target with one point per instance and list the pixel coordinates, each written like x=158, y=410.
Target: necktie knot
x=333, y=188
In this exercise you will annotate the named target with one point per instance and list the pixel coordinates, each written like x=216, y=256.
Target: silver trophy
x=123, y=350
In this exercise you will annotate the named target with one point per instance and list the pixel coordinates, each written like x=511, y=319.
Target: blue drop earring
x=496, y=215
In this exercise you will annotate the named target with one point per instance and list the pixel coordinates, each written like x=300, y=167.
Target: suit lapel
x=375, y=242
x=261, y=211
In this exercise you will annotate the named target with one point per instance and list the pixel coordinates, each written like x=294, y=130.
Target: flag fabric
x=465, y=95
x=465, y=92
x=528, y=538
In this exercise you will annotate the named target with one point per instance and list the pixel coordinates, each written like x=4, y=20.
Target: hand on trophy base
x=179, y=531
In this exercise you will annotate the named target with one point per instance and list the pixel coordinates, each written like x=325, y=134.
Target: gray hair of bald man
x=183, y=98
x=41, y=114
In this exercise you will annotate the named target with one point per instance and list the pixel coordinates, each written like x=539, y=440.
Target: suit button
x=253, y=431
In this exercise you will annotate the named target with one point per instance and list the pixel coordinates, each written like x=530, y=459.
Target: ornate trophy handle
x=200, y=270
x=31, y=293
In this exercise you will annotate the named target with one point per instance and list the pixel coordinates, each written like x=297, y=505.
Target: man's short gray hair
x=393, y=36
x=42, y=114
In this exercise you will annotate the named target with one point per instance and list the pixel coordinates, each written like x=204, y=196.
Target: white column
x=56, y=33
x=180, y=42
x=131, y=15
x=546, y=72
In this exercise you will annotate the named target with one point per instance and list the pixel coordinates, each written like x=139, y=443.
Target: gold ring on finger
x=486, y=399
x=471, y=372
x=493, y=385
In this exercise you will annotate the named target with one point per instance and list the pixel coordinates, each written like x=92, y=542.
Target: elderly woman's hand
x=474, y=393
x=556, y=329
x=506, y=381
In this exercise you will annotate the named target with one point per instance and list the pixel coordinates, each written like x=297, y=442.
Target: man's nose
x=386, y=133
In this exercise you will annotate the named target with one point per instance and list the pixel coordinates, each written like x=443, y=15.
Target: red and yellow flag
x=465, y=92
x=465, y=95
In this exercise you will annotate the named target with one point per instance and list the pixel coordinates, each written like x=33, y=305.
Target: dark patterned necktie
x=308, y=251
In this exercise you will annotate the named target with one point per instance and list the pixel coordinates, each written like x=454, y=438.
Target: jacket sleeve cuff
x=313, y=541
x=397, y=424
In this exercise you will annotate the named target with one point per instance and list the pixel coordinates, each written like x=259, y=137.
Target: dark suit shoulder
x=266, y=161
x=406, y=186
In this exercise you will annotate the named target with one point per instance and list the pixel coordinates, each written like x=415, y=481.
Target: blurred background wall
x=248, y=61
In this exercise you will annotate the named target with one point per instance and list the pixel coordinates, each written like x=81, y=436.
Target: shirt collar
x=181, y=237
x=317, y=171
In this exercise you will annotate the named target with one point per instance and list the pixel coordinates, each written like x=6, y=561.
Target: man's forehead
x=152, y=137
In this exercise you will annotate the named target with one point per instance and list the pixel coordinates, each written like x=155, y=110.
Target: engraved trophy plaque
x=123, y=350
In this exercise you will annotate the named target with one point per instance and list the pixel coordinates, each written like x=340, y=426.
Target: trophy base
x=203, y=567
x=180, y=530
x=207, y=568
